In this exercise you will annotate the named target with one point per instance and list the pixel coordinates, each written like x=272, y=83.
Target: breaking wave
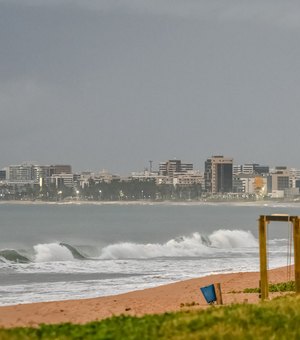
x=219, y=241
x=50, y=252
x=13, y=256
x=56, y=252
x=232, y=239
x=185, y=246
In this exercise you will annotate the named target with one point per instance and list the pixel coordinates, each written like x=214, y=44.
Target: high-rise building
x=63, y=180
x=261, y=169
x=250, y=184
x=29, y=173
x=218, y=174
x=61, y=175
x=41, y=174
x=250, y=168
x=279, y=179
x=21, y=173
x=174, y=166
x=169, y=167
x=186, y=167
x=60, y=169
x=294, y=177
x=237, y=169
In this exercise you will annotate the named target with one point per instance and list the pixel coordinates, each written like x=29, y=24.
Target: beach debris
x=189, y=304
x=212, y=293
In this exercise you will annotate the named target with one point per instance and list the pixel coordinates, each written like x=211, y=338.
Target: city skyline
x=119, y=83
x=156, y=166
x=175, y=179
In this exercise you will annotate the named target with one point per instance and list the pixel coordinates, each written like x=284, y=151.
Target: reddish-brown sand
x=148, y=301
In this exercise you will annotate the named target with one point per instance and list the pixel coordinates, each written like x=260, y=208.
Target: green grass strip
x=276, y=319
x=275, y=287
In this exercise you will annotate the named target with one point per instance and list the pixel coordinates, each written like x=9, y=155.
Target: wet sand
x=160, y=299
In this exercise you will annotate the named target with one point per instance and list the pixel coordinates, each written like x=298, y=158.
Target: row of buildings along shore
x=221, y=178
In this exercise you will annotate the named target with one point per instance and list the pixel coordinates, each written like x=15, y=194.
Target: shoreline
x=156, y=203
x=166, y=298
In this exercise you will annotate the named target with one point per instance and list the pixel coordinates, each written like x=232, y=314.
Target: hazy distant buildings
x=174, y=166
x=144, y=175
x=250, y=184
x=41, y=174
x=188, y=179
x=2, y=175
x=294, y=175
x=106, y=176
x=241, y=183
x=218, y=174
x=63, y=180
x=261, y=169
x=249, y=180
x=186, y=168
x=21, y=173
x=250, y=168
x=168, y=168
x=33, y=174
x=280, y=182
x=177, y=173
x=279, y=179
x=60, y=169
x=61, y=175
x=172, y=172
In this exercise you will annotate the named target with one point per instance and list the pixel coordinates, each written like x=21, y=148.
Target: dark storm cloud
x=111, y=84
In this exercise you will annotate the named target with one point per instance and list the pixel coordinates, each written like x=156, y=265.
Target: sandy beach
x=160, y=299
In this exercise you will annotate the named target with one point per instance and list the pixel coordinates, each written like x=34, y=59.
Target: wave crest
x=52, y=252
x=195, y=245
x=232, y=239
x=13, y=256
x=185, y=246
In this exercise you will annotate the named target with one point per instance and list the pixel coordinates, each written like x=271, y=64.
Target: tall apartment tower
x=218, y=174
x=173, y=166
x=279, y=179
x=20, y=173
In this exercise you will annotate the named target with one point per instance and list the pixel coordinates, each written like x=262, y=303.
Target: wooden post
x=263, y=257
x=296, y=227
x=218, y=293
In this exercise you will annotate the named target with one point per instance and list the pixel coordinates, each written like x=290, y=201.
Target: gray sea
x=71, y=251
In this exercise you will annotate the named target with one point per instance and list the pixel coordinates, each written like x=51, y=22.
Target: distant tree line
x=116, y=190
x=138, y=190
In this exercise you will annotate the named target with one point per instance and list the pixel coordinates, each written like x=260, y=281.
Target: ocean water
x=71, y=251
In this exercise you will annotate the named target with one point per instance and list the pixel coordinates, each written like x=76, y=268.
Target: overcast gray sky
x=112, y=84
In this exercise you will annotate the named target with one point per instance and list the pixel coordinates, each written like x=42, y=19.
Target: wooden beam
x=218, y=293
x=279, y=218
x=263, y=257
x=296, y=230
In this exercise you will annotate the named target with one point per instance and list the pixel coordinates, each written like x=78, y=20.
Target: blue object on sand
x=209, y=293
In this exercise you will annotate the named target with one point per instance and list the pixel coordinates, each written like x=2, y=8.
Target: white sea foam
x=222, y=241
x=52, y=252
x=145, y=265
x=232, y=239
x=194, y=245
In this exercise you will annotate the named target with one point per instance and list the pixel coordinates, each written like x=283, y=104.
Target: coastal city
x=174, y=179
x=149, y=169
